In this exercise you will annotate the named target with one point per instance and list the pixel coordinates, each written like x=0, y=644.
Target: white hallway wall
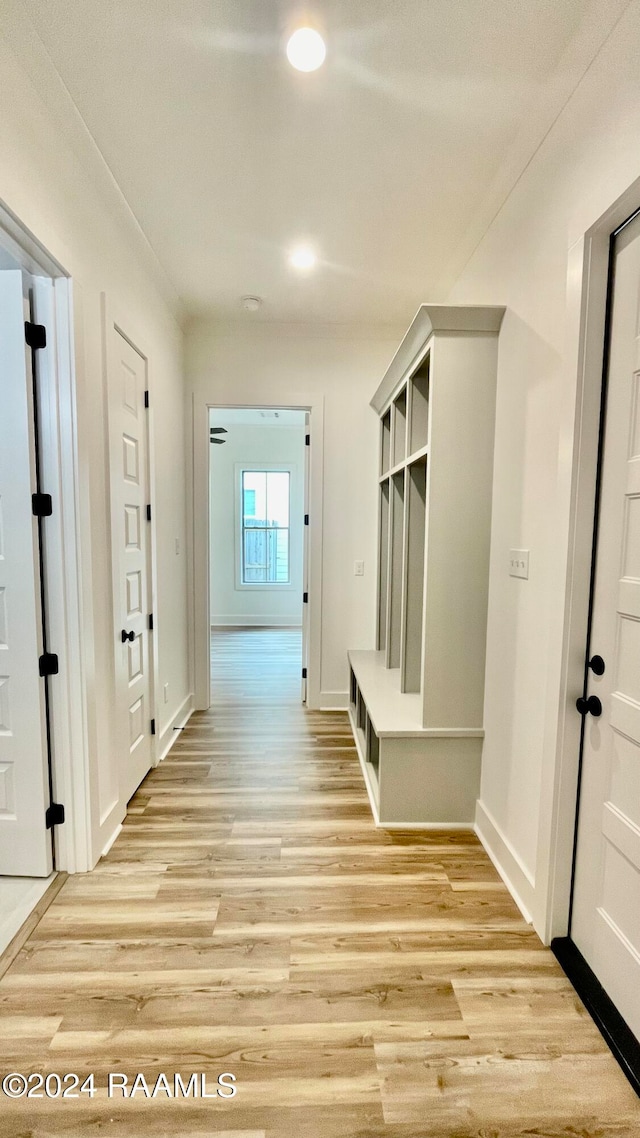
x=253, y=446
x=296, y=365
x=56, y=184
x=588, y=159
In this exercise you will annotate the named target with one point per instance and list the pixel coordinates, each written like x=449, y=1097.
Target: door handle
x=127, y=635
x=596, y=663
x=590, y=706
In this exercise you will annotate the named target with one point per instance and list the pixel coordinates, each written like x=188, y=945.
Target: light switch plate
x=519, y=563
x=358, y=568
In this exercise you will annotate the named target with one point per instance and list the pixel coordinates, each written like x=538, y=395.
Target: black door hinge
x=304, y=673
x=146, y=399
x=148, y=513
x=305, y=598
x=307, y=440
x=306, y=519
x=150, y=622
x=35, y=334
x=153, y=726
x=41, y=505
x=54, y=815
x=48, y=664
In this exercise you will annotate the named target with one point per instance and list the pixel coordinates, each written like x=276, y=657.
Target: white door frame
x=588, y=273
x=113, y=320
x=63, y=475
x=200, y=617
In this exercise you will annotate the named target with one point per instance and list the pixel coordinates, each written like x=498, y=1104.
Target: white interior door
x=606, y=911
x=25, y=842
x=305, y=559
x=131, y=549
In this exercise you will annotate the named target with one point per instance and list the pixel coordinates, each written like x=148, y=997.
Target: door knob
x=596, y=663
x=590, y=706
x=127, y=635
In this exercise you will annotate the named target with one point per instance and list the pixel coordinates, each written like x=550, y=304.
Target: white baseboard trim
x=241, y=620
x=169, y=734
x=166, y=740
x=18, y=898
x=517, y=878
x=111, y=840
x=465, y=827
x=334, y=700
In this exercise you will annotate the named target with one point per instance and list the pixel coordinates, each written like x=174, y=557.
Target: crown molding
x=32, y=57
x=469, y=319
x=598, y=25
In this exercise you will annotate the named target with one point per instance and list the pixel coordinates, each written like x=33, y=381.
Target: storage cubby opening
x=415, y=550
x=383, y=566
x=361, y=711
x=419, y=427
x=353, y=689
x=400, y=427
x=373, y=749
x=397, y=570
x=385, y=449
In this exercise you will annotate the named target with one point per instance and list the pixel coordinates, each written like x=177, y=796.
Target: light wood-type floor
x=251, y=919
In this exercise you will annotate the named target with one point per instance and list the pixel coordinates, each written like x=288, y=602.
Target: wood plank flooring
x=250, y=918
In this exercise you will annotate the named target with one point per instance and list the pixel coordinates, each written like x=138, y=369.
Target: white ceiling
x=227, y=157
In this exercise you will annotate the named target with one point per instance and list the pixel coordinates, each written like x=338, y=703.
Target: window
x=265, y=527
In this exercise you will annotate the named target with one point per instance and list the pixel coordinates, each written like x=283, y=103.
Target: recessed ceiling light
x=306, y=50
x=303, y=258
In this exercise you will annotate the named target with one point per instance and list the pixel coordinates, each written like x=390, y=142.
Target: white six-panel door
x=25, y=843
x=131, y=546
x=606, y=910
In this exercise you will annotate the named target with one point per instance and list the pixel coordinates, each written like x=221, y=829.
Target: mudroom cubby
x=416, y=702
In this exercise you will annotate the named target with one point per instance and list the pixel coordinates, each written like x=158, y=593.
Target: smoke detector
x=251, y=303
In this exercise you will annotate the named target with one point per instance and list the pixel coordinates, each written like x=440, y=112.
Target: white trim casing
x=111, y=322
x=59, y=465
x=577, y=468
x=64, y=470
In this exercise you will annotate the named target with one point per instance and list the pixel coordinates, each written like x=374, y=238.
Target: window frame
x=239, y=528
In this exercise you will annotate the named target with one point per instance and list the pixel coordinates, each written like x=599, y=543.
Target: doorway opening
x=44, y=818
x=258, y=545
x=601, y=953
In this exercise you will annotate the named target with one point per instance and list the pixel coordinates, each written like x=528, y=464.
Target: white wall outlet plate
x=519, y=563
x=358, y=568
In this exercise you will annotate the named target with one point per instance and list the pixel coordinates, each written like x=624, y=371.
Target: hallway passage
x=251, y=919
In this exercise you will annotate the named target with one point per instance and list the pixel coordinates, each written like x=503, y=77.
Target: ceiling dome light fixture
x=303, y=258
x=251, y=303
x=306, y=50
